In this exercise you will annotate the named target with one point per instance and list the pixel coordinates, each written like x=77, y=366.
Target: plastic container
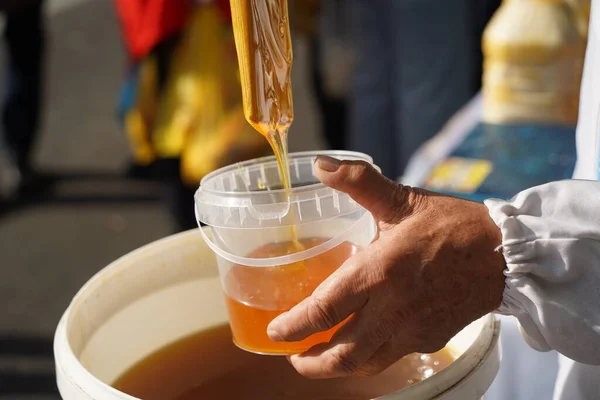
x=264, y=269
x=533, y=62
x=171, y=289
x=582, y=10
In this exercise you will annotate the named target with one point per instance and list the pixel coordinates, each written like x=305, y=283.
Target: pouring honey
x=264, y=47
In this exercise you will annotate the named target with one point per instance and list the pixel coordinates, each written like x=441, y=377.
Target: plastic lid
x=249, y=194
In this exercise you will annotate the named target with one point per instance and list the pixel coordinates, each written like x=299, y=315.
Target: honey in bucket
x=180, y=371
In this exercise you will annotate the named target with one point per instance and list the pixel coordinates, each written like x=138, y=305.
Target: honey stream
x=264, y=47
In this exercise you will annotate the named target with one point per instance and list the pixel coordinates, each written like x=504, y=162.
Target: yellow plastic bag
x=199, y=116
x=138, y=120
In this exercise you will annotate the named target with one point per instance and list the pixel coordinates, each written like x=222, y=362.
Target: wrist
x=496, y=264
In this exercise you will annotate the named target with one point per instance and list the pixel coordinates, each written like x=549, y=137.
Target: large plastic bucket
x=170, y=289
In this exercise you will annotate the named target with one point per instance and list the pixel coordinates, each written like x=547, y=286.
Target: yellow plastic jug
x=533, y=52
x=582, y=10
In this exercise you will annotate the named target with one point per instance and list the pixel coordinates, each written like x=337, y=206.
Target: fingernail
x=328, y=164
x=274, y=335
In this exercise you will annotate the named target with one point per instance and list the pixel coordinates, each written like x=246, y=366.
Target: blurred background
x=100, y=154
x=87, y=212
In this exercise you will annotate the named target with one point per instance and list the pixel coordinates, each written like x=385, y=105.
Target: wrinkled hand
x=431, y=270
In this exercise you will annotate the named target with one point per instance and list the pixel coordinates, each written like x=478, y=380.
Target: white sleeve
x=551, y=243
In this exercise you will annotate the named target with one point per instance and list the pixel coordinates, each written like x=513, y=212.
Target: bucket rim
x=290, y=258
x=71, y=374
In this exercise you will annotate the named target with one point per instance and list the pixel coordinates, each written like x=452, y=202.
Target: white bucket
x=171, y=289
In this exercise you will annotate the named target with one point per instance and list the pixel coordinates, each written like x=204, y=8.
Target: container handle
x=284, y=260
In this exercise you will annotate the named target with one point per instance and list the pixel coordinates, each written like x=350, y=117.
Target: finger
x=341, y=294
x=367, y=186
x=347, y=352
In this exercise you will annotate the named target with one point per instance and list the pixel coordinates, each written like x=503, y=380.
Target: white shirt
x=551, y=243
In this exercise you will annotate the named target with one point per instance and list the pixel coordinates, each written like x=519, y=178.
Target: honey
x=264, y=48
x=256, y=295
x=206, y=365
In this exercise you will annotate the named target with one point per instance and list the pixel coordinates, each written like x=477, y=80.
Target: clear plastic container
x=275, y=246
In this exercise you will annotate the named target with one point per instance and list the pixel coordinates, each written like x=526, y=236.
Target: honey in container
x=255, y=296
x=180, y=371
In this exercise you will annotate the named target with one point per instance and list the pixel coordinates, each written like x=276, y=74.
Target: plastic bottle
x=582, y=10
x=533, y=53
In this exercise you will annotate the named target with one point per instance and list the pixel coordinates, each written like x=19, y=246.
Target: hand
x=431, y=270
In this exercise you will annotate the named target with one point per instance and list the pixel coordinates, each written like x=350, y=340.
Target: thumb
x=382, y=197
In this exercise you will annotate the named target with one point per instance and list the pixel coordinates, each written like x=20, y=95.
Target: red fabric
x=146, y=23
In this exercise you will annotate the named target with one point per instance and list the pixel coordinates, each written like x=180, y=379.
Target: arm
x=551, y=243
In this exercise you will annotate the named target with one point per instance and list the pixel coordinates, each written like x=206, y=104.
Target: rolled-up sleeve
x=551, y=243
